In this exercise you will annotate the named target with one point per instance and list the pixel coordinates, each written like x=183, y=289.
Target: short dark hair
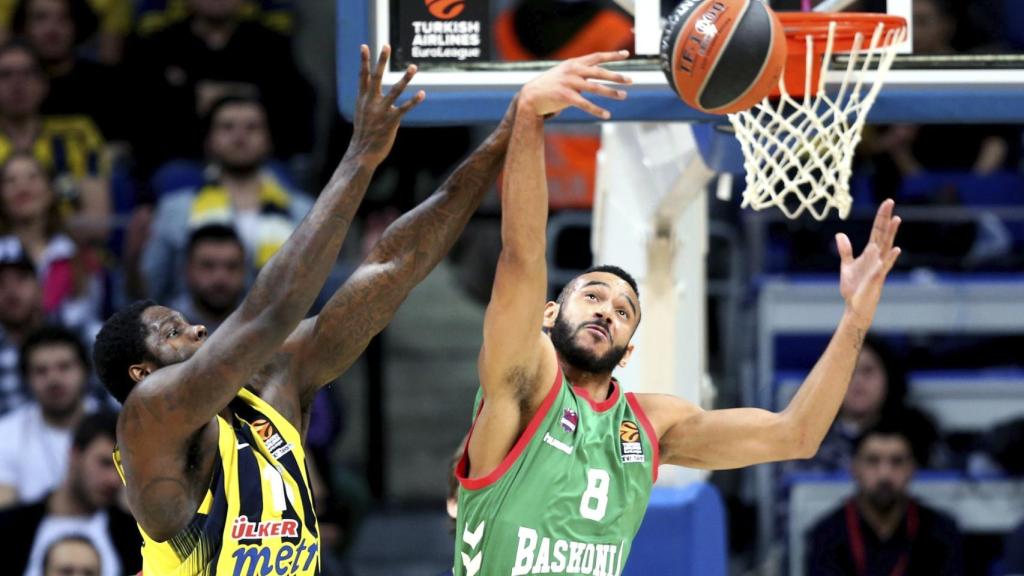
x=231, y=100
x=49, y=336
x=82, y=16
x=884, y=427
x=102, y=424
x=80, y=538
x=213, y=233
x=120, y=344
x=607, y=268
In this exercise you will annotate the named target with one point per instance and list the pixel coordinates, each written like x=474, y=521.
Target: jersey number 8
x=595, y=497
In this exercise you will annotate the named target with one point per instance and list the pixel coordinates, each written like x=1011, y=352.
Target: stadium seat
x=683, y=534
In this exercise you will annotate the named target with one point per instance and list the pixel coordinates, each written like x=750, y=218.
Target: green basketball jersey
x=569, y=496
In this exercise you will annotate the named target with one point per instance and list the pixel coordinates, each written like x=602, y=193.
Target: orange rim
x=799, y=25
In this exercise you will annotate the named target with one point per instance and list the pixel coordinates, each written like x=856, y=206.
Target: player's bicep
x=513, y=341
x=726, y=439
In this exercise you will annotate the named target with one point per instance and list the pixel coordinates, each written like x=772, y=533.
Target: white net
x=798, y=152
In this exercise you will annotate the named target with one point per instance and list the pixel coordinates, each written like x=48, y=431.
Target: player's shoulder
x=665, y=411
x=657, y=405
x=149, y=401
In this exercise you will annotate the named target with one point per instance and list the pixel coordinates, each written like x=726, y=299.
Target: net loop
x=798, y=146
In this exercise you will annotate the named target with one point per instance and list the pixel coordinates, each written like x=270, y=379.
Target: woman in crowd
x=31, y=211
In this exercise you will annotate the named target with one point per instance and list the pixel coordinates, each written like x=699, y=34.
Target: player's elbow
x=802, y=443
x=794, y=440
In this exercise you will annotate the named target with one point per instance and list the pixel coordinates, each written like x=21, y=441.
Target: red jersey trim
x=651, y=434
x=604, y=404
x=462, y=470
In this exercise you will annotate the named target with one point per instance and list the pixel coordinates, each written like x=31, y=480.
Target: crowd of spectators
x=148, y=149
x=160, y=149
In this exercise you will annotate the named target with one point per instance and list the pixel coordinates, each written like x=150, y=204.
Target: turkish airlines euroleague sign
x=442, y=31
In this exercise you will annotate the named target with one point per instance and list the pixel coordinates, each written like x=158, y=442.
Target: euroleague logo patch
x=263, y=428
x=629, y=439
x=271, y=439
x=445, y=9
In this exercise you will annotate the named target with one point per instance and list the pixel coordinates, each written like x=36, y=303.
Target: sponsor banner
x=441, y=31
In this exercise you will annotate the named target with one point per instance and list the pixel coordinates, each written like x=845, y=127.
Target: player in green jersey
x=560, y=462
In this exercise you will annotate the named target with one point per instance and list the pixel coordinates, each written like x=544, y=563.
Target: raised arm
x=185, y=396
x=720, y=439
x=325, y=346
x=513, y=366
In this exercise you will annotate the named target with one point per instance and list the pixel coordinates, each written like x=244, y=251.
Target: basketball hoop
x=798, y=143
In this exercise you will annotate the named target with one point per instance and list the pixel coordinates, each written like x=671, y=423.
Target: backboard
x=474, y=54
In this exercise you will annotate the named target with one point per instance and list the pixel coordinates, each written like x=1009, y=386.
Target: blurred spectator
x=882, y=530
x=241, y=191
x=55, y=29
x=215, y=274
x=900, y=151
x=72, y=556
x=21, y=313
x=185, y=68
x=877, y=392
x=155, y=15
x=33, y=456
x=101, y=24
x=934, y=27
x=30, y=212
x=84, y=504
x=69, y=147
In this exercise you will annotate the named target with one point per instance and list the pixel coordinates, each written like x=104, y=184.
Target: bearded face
x=883, y=468
x=597, y=316
x=580, y=345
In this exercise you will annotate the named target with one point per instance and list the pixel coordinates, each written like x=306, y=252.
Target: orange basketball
x=723, y=56
x=445, y=9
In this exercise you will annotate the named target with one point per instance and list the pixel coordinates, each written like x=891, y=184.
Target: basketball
x=723, y=56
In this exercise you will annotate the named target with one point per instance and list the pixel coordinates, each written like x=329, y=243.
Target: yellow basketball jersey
x=257, y=516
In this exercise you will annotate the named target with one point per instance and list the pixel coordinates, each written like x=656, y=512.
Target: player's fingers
x=890, y=259
x=411, y=102
x=382, y=64
x=845, y=248
x=600, y=89
x=587, y=106
x=399, y=86
x=602, y=57
x=881, y=223
x=364, y=67
x=598, y=73
x=890, y=233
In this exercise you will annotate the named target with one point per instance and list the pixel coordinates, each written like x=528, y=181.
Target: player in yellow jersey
x=210, y=434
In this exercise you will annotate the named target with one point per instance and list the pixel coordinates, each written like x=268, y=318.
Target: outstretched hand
x=564, y=85
x=861, y=278
x=377, y=117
